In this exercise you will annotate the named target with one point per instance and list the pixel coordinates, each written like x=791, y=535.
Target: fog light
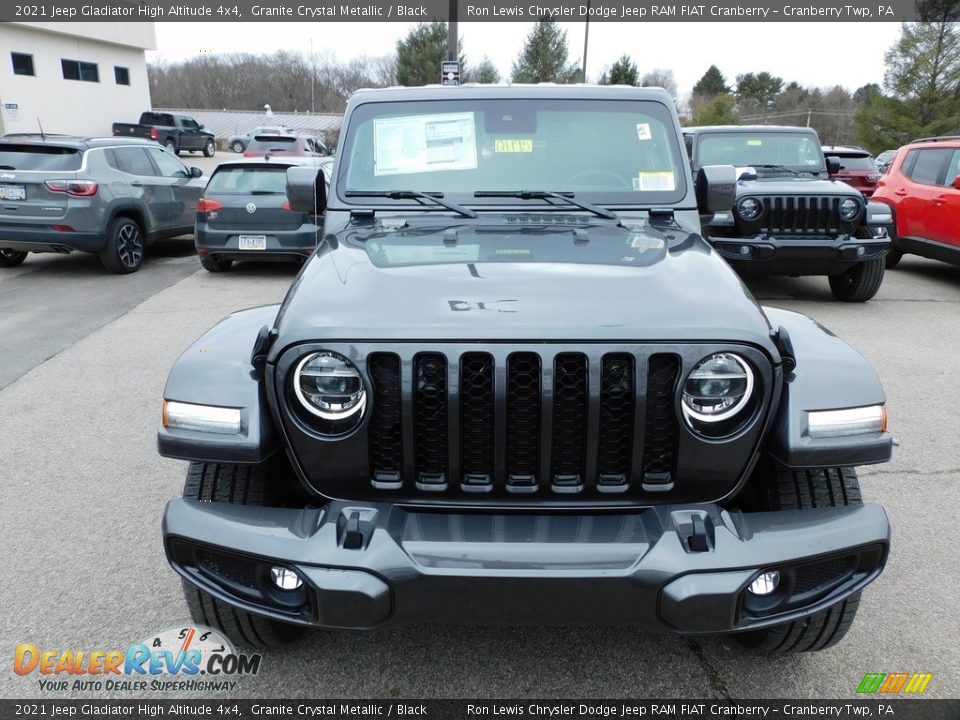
x=285, y=579
x=765, y=583
x=861, y=251
x=745, y=250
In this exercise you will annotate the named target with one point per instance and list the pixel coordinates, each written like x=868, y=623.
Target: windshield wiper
x=434, y=197
x=543, y=195
x=787, y=168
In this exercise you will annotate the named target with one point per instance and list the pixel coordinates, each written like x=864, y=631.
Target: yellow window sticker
x=513, y=145
x=660, y=180
x=755, y=143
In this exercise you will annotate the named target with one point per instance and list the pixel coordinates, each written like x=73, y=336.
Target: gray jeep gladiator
x=511, y=387
x=789, y=218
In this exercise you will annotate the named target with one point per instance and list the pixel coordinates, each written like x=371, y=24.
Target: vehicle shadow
x=789, y=288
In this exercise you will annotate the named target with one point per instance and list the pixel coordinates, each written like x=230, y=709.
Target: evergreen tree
x=623, y=72
x=758, y=91
x=544, y=56
x=420, y=53
x=485, y=72
x=711, y=84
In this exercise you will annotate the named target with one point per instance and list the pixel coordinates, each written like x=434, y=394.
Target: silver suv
x=109, y=196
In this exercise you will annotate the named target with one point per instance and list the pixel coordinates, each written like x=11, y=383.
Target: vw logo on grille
x=251, y=207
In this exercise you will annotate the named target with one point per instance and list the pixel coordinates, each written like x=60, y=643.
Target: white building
x=73, y=78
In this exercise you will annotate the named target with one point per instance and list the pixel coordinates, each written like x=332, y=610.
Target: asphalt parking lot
x=83, y=359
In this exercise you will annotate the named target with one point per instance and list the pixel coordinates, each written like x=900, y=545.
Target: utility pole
x=452, y=53
x=313, y=77
x=586, y=36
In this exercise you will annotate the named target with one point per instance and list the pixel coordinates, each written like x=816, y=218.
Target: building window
x=77, y=70
x=121, y=75
x=22, y=63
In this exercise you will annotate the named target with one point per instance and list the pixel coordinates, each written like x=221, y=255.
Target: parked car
x=884, y=159
x=489, y=397
x=923, y=188
x=238, y=143
x=111, y=196
x=244, y=215
x=175, y=132
x=854, y=166
x=789, y=217
x=284, y=145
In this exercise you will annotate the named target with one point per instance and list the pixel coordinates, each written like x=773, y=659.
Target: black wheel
x=238, y=147
x=238, y=485
x=799, y=490
x=123, y=252
x=213, y=265
x=171, y=146
x=11, y=258
x=209, y=149
x=859, y=283
x=893, y=258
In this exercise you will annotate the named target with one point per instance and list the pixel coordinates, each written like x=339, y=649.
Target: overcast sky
x=820, y=54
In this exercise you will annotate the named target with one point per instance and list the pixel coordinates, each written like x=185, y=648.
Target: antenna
x=40, y=125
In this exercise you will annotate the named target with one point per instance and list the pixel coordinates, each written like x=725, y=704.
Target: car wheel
x=237, y=147
x=215, y=266
x=171, y=146
x=123, y=252
x=802, y=490
x=209, y=149
x=11, y=258
x=236, y=485
x=859, y=283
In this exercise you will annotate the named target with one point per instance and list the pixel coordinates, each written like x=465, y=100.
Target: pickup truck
x=174, y=132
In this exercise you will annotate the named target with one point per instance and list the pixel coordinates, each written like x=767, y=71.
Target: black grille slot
x=242, y=572
x=430, y=415
x=386, y=446
x=523, y=419
x=660, y=432
x=820, y=574
x=802, y=215
x=616, y=419
x=476, y=420
x=569, y=421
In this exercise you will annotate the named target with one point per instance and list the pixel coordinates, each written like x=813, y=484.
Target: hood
x=799, y=185
x=519, y=281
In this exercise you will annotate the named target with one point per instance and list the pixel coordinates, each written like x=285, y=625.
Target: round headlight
x=718, y=388
x=849, y=208
x=749, y=208
x=329, y=386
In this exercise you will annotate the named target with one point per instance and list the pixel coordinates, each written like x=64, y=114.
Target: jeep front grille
x=802, y=215
x=523, y=422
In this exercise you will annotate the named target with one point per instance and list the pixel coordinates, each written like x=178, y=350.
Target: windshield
x=267, y=179
x=794, y=150
x=604, y=151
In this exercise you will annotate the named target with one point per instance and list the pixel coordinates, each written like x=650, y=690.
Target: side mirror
x=306, y=190
x=196, y=172
x=833, y=165
x=716, y=188
x=956, y=182
x=201, y=126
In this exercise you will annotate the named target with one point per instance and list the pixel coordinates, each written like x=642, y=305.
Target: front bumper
x=679, y=568
x=775, y=255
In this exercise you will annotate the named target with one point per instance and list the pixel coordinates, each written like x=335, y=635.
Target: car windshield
x=38, y=157
x=856, y=162
x=245, y=180
x=603, y=151
x=793, y=150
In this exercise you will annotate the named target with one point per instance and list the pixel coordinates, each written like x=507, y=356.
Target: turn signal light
x=205, y=205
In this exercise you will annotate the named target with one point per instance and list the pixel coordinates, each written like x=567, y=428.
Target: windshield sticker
x=755, y=143
x=662, y=181
x=639, y=241
x=513, y=145
x=424, y=143
x=643, y=131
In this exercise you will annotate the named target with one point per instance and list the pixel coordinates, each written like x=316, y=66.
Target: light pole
x=452, y=32
x=586, y=36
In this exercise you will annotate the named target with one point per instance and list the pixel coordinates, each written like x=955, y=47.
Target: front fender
x=216, y=370
x=829, y=375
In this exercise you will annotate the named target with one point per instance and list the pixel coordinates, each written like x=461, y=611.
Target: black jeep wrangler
x=515, y=385
x=789, y=218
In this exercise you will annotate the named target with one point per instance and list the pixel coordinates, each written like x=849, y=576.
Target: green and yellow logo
x=894, y=683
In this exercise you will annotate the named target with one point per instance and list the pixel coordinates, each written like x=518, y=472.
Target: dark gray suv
x=109, y=196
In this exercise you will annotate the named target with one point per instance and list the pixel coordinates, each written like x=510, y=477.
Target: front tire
x=123, y=252
x=237, y=485
x=801, y=490
x=238, y=147
x=209, y=149
x=11, y=258
x=859, y=283
x=215, y=266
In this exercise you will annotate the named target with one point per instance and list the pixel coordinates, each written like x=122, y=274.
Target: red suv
x=857, y=168
x=923, y=188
